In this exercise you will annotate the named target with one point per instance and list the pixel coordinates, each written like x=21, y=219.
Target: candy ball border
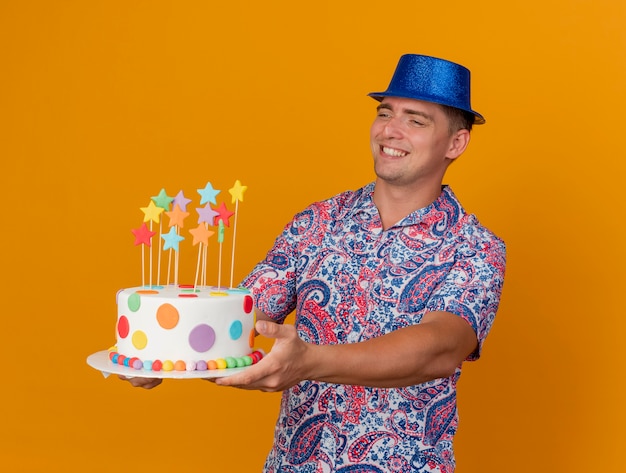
x=180, y=365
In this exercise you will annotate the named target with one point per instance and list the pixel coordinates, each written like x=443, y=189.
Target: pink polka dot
x=248, y=304
x=123, y=327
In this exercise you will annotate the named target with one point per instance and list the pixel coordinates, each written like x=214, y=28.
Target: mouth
x=393, y=152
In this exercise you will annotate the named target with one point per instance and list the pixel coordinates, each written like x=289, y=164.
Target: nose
x=392, y=128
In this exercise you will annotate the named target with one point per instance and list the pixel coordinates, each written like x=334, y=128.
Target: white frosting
x=170, y=325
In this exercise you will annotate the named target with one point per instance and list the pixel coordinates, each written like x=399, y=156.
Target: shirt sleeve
x=273, y=280
x=473, y=287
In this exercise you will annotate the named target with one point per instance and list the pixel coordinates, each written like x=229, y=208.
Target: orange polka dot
x=146, y=291
x=251, y=339
x=167, y=316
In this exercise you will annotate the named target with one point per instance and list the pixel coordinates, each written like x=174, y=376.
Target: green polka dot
x=134, y=302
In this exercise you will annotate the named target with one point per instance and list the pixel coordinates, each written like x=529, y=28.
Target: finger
x=268, y=329
x=146, y=383
x=246, y=379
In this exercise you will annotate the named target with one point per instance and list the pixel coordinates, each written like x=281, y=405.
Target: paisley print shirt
x=349, y=281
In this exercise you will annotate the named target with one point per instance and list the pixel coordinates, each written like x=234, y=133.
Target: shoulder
x=338, y=206
x=469, y=229
x=478, y=243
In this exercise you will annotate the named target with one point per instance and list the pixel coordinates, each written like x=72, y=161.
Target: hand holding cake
x=146, y=383
x=282, y=368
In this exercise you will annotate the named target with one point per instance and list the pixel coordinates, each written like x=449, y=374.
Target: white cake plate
x=100, y=361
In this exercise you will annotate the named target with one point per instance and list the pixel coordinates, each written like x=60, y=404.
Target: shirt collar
x=439, y=216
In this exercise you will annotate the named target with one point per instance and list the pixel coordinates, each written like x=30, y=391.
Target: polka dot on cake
x=202, y=338
x=236, y=329
x=140, y=340
x=123, y=327
x=167, y=316
x=248, y=304
x=134, y=302
x=251, y=338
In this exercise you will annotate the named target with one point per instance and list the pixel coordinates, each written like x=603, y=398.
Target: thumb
x=267, y=328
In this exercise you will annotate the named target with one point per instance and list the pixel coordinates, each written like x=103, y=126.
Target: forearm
x=408, y=356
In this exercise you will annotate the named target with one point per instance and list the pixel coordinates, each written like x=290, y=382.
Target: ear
x=458, y=142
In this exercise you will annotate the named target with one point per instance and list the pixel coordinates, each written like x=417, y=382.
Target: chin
x=387, y=174
x=389, y=178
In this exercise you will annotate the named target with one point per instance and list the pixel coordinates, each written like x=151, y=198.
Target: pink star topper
x=142, y=235
x=223, y=215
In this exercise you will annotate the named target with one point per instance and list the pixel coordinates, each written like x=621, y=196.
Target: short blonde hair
x=458, y=119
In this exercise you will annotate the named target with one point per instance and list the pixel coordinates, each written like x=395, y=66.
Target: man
x=394, y=286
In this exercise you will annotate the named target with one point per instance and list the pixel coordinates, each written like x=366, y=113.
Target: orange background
x=103, y=103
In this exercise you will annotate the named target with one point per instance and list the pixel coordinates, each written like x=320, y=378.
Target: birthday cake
x=184, y=327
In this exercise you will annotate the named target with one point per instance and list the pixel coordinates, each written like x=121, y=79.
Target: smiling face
x=412, y=144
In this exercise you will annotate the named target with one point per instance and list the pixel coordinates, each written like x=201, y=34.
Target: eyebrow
x=408, y=111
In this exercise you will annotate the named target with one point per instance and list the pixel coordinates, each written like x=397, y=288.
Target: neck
x=394, y=203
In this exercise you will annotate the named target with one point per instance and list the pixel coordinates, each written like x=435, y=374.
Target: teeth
x=393, y=152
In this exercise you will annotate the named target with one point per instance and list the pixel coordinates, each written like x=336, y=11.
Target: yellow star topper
x=151, y=212
x=237, y=192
